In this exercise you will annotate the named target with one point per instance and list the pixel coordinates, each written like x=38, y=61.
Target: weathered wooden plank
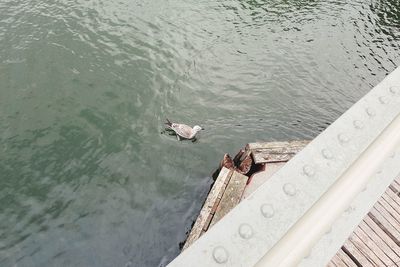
x=231, y=196
x=365, y=250
x=380, y=238
x=387, y=216
x=374, y=248
x=346, y=259
x=391, y=202
x=275, y=152
x=360, y=257
x=395, y=188
x=393, y=196
x=392, y=199
x=376, y=240
x=336, y=262
x=271, y=156
x=397, y=181
x=266, y=145
x=331, y=263
x=206, y=213
x=396, y=184
x=383, y=202
x=380, y=220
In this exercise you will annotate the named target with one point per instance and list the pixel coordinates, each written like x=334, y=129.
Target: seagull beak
x=202, y=128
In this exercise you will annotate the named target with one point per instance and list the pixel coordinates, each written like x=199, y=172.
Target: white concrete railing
x=303, y=214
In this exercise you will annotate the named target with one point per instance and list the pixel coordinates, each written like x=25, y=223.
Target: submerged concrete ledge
x=304, y=213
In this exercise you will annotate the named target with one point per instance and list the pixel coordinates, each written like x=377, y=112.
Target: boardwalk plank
x=391, y=231
x=381, y=238
x=389, y=208
x=393, y=196
x=376, y=240
x=333, y=262
x=360, y=257
x=365, y=250
x=394, y=190
x=346, y=259
x=391, y=202
x=397, y=182
x=391, y=187
x=336, y=261
x=387, y=216
x=373, y=246
x=395, y=187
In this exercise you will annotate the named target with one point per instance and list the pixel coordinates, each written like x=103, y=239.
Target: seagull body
x=183, y=131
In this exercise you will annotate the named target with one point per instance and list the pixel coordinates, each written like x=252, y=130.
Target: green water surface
x=86, y=176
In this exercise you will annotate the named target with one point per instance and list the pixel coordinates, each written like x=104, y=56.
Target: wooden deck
x=375, y=241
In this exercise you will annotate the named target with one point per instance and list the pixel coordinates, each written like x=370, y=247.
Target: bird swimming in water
x=183, y=131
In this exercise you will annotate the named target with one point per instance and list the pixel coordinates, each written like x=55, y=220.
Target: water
x=87, y=178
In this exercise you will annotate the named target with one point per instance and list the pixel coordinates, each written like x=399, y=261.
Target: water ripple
x=87, y=179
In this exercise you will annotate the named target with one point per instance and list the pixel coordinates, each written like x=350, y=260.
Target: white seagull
x=183, y=131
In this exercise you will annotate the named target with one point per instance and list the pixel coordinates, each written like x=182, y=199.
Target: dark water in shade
x=86, y=178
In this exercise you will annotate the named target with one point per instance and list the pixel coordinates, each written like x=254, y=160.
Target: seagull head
x=197, y=128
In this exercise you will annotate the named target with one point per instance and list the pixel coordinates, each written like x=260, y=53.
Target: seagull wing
x=182, y=130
